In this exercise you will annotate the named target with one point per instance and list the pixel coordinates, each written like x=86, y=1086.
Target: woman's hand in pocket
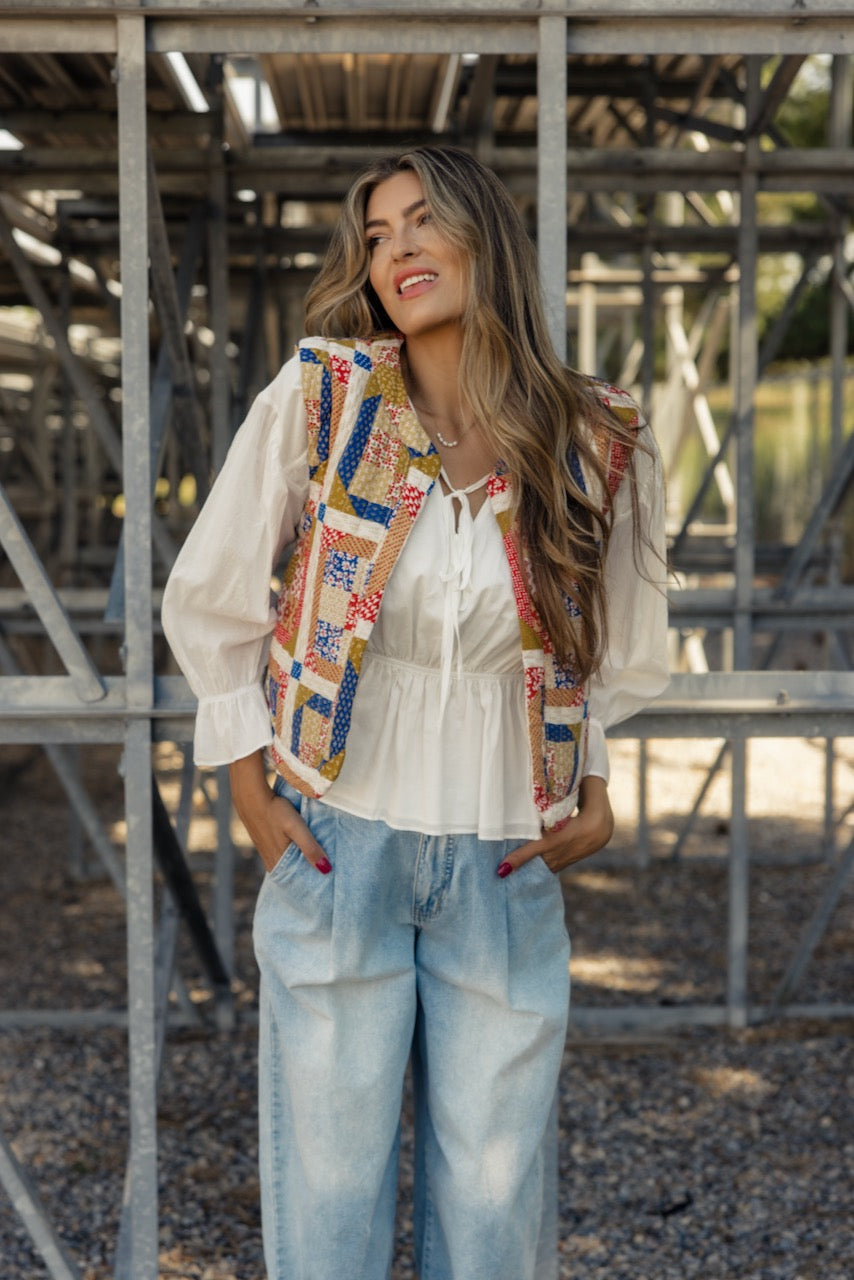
x=271, y=821
x=588, y=831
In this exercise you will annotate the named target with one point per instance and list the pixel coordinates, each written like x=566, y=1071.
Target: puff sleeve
x=218, y=612
x=634, y=670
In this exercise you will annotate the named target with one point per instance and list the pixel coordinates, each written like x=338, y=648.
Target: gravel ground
x=702, y=1153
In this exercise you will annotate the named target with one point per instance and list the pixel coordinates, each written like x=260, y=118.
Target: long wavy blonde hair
x=528, y=405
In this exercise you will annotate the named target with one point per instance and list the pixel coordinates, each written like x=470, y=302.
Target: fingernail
x=324, y=866
x=505, y=869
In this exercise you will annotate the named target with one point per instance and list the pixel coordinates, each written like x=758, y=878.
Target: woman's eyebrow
x=407, y=213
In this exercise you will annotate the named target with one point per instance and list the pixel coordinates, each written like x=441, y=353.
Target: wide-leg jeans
x=412, y=945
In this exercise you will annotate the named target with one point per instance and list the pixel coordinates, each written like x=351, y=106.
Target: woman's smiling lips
x=409, y=283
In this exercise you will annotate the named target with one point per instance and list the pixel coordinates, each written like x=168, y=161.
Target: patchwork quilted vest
x=371, y=465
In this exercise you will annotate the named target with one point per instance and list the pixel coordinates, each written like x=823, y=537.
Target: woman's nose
x=402, y=244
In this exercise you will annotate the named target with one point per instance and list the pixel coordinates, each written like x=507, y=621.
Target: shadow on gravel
x=703, y=1153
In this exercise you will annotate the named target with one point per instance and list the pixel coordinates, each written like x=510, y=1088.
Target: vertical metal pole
x=220, y=402
x=69, y=532
x=133, y=215
x=746, y=376
x=647, y=319
x=587, y=354
x=223, y=904
x=294, y=312
x=841, y=106
x=739, y=885
x=643, y=808
x=68, y=540
x=220, y=384
x=648, y=206
x=551, y=173
x=747, y=361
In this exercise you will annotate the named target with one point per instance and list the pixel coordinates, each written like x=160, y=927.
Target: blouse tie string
x=455, y=573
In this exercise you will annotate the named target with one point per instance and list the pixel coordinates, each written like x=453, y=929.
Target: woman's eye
x=373, y=241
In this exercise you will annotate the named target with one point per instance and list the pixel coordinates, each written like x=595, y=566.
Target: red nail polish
x=505, y=869
x=324, y=866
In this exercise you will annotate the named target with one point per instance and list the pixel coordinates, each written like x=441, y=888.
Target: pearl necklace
x=448, y=444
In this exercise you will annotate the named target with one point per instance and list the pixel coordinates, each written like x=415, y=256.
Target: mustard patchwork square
x=371, y=482
x=332, y=605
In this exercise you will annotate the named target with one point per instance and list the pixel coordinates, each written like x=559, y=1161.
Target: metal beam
x=709, y=35
x=15, y=541
x=187, y=418
x=160, y=404
x=78, y=797
x=770, y=11
x=394, y=34
x=774, y=95
x=31, y=32
x=828, y=504
x=217, y=272
x=816, y=927
x=306, y=171
x=551, y=166
x=133, y=197
x=765, y=703
x=477, y=127
x=176, y=874
x=30, y=1210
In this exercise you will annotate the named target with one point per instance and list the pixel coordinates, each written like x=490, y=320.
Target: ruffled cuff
x=231, y=725
x=597, y=764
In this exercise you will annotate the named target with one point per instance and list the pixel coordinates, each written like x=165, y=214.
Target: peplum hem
x=466, y=769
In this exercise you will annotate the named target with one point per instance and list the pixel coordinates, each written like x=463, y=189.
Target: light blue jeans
x=412, y=944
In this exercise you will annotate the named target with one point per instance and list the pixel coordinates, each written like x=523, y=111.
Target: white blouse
x=444, y=652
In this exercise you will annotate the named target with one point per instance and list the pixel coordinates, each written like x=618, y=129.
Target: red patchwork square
x=370, y=606
x=534, y=680
x=412, y=497
x=341, y=369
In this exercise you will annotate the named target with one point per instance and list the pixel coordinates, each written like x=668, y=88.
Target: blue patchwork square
x=564, y=676
x=340, y=570
x=575, y=469
x=571, y=607
x=327, y=640
x=296, y=669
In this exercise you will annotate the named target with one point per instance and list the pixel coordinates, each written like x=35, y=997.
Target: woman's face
x=417, y=274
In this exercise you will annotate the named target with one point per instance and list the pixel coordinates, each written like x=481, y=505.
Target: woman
x=470, y=601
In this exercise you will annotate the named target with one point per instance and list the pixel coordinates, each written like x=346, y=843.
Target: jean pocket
x=536, y=868
x=287, y=864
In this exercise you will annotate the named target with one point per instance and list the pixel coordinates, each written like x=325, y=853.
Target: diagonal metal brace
x=161, y=402
x=186, y=410
x=176, y=873
x=32, y=1213
x=815, y=928
x=827, y=505
x=43, y=596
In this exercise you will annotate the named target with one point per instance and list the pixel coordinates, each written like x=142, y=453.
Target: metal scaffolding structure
x=640, y=141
